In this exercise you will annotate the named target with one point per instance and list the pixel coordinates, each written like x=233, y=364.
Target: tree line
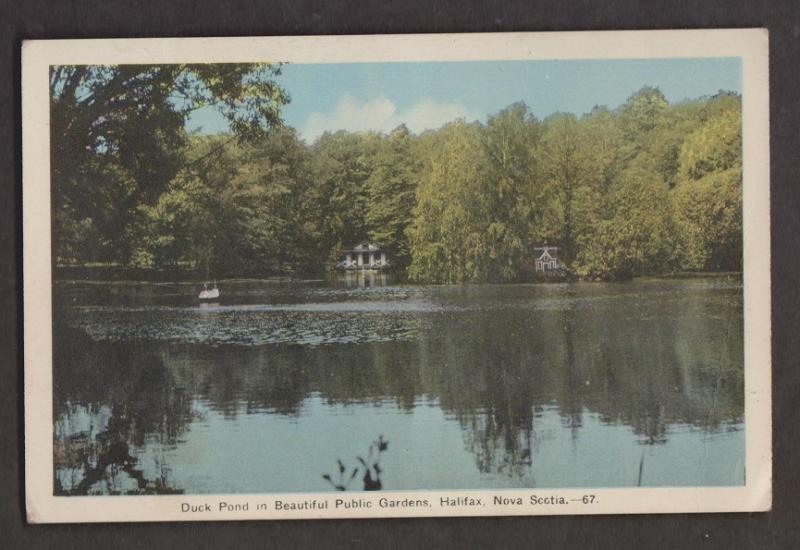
x=647, y=188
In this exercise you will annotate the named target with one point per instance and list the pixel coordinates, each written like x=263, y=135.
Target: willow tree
x=639, y=237
x=708, y=199
x=450, y=236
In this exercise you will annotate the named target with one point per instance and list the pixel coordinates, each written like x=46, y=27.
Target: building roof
x=364, y=246
x=546, y=251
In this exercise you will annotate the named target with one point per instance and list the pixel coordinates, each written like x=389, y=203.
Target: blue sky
x=380, y=96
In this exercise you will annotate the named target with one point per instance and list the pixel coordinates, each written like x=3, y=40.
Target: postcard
x=396, y=276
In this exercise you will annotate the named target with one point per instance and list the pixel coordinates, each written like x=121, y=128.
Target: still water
x=546, y=385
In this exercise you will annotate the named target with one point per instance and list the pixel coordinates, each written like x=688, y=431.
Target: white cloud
x=382, y=115
x=427, y=114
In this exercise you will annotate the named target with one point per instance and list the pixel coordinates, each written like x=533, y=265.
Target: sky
x=381, y=96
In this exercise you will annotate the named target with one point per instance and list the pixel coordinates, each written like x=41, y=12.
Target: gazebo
x=547, y=260
x=364, y=255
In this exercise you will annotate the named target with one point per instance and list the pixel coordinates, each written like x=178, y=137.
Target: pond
x=472, y=387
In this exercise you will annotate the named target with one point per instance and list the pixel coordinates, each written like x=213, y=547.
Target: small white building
x=364, y=255
x=547, y=260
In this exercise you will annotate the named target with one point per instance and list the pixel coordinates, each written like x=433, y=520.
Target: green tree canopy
x=117, y=135
x=708, y=199
x=391, y=193
x=646, y=188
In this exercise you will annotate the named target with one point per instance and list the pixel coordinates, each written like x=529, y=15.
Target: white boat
x=209, y=293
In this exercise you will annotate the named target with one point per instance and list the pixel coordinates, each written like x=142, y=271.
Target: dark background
x=166, y=18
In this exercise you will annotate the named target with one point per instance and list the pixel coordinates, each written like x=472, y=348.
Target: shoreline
x=686, y=275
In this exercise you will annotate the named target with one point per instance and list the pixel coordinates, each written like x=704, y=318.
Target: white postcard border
x=751, y=45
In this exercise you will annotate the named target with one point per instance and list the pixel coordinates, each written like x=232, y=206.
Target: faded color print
x=508, y=275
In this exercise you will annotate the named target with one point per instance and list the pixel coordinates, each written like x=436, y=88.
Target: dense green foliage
x=118, y=140
x=647, y=188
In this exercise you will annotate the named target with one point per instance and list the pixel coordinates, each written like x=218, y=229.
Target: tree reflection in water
x=646, y=364
x=142, y=404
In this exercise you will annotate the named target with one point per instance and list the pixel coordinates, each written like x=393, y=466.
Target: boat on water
x=209, y=293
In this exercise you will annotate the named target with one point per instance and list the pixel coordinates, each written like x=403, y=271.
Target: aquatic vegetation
x=370, y=466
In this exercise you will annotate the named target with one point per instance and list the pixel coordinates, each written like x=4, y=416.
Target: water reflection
x=136, y=403
x=548, y=385
x=364, y=279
